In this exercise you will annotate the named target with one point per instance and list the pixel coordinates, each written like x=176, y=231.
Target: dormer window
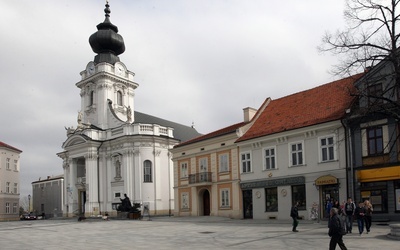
x=119, y=98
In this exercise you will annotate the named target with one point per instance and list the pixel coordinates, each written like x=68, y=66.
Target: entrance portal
x=248, y=204
x=206, y=203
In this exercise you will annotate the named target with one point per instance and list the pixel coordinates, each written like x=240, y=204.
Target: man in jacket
x=349, y=209
x=294, y=213
x=336, y=230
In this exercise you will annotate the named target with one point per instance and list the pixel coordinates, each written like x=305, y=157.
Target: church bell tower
x=107, y=86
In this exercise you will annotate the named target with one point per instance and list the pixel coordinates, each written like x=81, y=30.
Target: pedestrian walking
x=360, y=215
x=368, y=215
x=349, y=209
x=294, y=213
x=336, y=230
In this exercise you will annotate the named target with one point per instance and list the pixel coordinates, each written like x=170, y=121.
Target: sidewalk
x=182, y=233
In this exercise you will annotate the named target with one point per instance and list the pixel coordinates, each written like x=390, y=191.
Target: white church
x=115, y=150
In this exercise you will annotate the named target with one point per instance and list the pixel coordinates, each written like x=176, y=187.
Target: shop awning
x=379, y=174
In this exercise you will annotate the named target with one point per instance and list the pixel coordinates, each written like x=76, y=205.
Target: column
x=92, y=202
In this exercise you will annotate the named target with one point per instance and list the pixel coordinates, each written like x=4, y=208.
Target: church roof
x=221, y=132
x=106, y=42
x=4, y=145
x=181, y=132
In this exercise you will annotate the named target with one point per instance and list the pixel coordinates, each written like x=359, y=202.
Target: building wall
x=9, y=197
x=47, y=197
x=193, y=191
x=285, y=176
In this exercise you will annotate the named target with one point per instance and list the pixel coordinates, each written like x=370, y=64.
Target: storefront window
x=299, y=194
x=376, y=193
x=271, y=199
x=397, y=195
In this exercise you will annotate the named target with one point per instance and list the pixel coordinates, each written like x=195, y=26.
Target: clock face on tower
x=120, y=70
x=90, y=68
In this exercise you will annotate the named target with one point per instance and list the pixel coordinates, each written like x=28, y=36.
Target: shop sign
x=274, y=183
x=326, y=180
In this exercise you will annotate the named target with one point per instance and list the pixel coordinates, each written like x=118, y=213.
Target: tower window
x=91, y=100
x=119, y=98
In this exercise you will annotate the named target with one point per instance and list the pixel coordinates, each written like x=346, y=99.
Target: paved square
x=181, y=233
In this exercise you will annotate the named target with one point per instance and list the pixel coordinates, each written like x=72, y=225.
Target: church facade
x=115, y=150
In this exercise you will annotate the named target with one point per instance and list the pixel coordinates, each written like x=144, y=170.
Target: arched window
x=91, y=100
x=119, y=98
x=147, y=176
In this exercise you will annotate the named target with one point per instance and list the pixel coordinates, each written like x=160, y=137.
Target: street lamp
x=29, y=203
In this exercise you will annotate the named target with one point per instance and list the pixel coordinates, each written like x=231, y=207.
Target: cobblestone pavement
x=182, y=233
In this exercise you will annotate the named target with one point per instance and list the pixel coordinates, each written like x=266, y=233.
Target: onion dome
x=106, y=42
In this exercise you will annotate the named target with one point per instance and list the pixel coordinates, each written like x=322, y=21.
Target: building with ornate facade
x=115, y=150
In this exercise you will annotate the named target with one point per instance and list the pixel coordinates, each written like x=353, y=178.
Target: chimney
x=248, y=113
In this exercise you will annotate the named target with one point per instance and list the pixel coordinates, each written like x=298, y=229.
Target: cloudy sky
x=199, y=61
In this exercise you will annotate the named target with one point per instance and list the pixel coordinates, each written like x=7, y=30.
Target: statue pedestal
x=122, y=215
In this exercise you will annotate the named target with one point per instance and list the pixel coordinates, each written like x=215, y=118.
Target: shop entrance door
x=330, y=193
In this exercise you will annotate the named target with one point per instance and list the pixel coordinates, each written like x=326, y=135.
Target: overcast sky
x=199, y=61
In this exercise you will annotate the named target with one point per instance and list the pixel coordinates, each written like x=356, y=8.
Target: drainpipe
x=98, y=176
x=349, y=159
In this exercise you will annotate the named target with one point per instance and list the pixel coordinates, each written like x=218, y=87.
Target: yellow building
x=207, y=173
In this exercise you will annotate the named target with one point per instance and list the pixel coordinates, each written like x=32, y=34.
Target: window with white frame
x=7, y=187
x=245, y=160
x=327, y=145
x=375, y=140
x=147, y=171
x=269, y=154
x=223, y=163
x=296, y=154
x=14, y=208
x=203, y=164
x=8, y=163
x=225, y=198
x=15, y=188
x=7, y=207
x=203, y=169
x=15, y=165
x=185, y=200
x=184, y=170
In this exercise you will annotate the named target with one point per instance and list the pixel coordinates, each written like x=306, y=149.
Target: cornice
x=114, y=78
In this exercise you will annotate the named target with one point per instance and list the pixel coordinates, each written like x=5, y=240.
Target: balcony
x=200, y=178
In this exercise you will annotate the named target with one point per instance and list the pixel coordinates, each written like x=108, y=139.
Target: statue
x=126, y=205
x=129, y=113
x=80, y=117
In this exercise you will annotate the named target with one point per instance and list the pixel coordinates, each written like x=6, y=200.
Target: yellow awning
x=379, y=174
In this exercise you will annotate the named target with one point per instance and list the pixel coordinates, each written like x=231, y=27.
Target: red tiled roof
x=220, y=132
x=321, y=104
x=2, y=144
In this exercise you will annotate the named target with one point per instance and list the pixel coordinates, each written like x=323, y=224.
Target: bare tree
x=369, y=41
x=24, y=203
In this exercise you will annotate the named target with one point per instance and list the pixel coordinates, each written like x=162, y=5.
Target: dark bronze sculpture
x=126, y=205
